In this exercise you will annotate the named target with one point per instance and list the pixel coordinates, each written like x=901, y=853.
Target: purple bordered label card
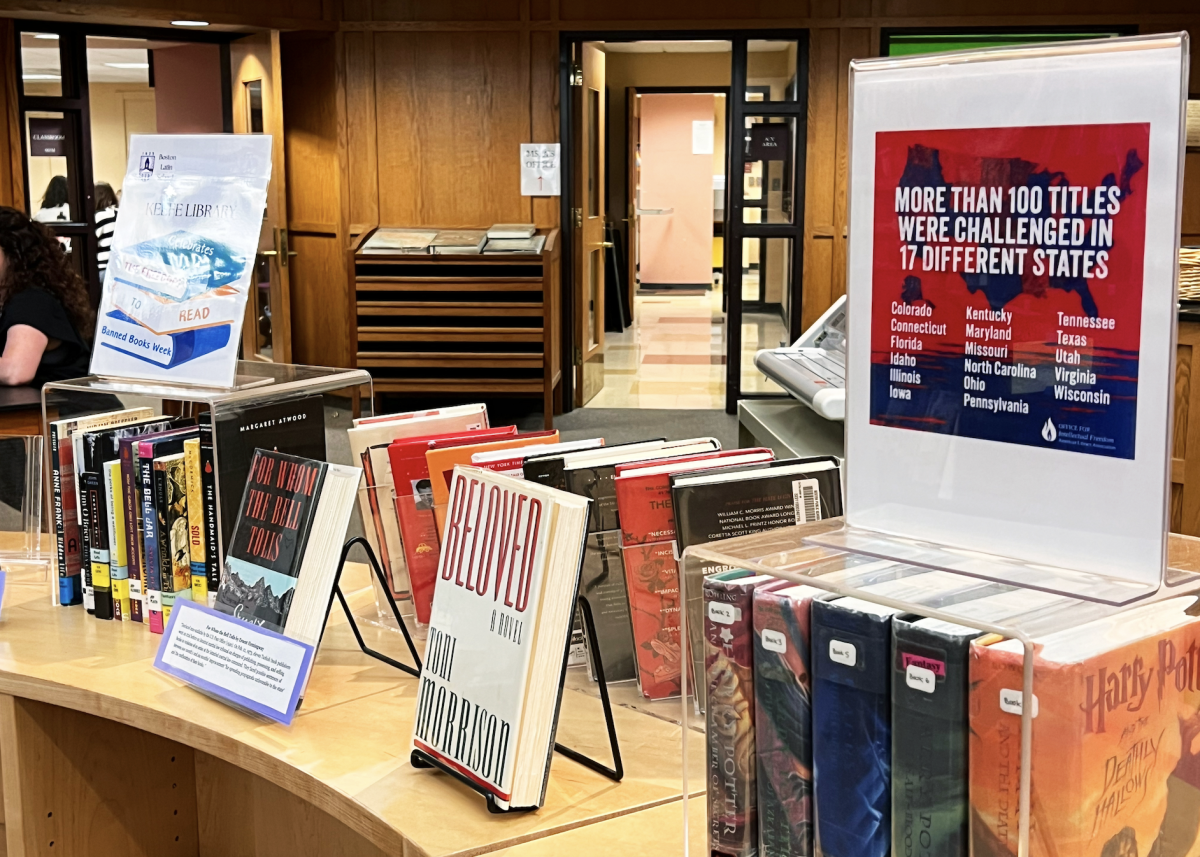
x=245, y=665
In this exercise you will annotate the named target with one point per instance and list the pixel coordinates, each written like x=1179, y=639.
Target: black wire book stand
x=423, y=760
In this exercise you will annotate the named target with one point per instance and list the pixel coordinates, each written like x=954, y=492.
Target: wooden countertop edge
x=350, y=812
x=320, y=794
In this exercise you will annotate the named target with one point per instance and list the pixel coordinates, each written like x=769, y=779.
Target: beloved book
x=413, y=506
x=783, y=720
x=499, y=633
x=295, y=426
x=1116, y=737
x=602, y=583
x=369, y=441
x=852, y=727
x=729, y=718
x=738, y=501
x=283, y=555
x=65, y=495
x=174, y=550
x=443, y=458
x=195, y=521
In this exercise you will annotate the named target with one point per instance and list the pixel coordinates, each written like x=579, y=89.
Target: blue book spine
x=852, y=731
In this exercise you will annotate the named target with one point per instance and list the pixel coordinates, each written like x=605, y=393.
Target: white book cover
x=498, y=634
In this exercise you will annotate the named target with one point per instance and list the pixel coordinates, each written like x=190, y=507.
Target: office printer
x=814, y=368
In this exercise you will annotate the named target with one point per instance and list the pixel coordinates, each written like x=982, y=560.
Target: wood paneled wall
x=12, y=180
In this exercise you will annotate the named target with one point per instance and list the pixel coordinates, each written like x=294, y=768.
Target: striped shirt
x=106, y=224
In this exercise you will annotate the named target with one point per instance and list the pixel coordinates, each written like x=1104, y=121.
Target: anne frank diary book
x=283, y=557
x=487, y=702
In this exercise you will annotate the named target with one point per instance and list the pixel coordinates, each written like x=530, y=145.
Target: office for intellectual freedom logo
x=1049, y=432
x=146, y=165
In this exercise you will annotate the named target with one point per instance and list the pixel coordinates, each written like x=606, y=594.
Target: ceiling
x=694, y=46
x=109, y=59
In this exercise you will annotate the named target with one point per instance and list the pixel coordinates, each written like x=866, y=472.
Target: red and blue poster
x=1007, y=284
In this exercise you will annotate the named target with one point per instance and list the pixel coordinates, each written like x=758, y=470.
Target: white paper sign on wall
x=540, y=169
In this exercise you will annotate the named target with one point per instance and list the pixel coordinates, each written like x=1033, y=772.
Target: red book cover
x=644, y=501
x=414, y=507
x=652, y=580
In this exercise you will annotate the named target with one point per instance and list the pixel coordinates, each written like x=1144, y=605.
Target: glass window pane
x=47, y=140
x=593, y=153
x=121, y=103
x=771, y=70
x=766, y=302
x=41, y=64
x=770, y=146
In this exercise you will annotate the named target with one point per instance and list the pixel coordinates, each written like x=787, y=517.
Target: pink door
x=675, y=209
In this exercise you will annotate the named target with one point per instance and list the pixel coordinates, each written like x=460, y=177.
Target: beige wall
x=118, y=110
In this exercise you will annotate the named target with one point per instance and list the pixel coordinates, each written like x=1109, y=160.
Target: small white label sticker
x=723, y=614
x=774, y=641
x=919, y=678
x=806, y=497
x=843, y=653
x=1010, y=701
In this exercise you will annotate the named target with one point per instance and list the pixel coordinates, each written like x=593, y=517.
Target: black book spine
x=208, y=496
x=548, y=472
x=98, y=544
x=597, y=484
x=166, y=568
x=929, y=740
x=85, y=541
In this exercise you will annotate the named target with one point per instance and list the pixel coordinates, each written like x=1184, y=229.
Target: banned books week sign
x=1014, y=228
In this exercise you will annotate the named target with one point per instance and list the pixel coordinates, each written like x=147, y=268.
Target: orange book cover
x=1116, y=750
x=442, y=462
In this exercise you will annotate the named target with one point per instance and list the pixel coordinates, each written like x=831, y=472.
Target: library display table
x=102, y=754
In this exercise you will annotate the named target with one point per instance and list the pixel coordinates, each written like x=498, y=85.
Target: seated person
x=46, y=320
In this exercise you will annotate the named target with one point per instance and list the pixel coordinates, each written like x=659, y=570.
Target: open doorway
x=686, y=221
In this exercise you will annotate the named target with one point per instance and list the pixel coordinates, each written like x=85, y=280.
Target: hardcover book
x=852, y=727
x=369, y=440
x=729, y=718
x=499, y=633
x=65, y=495
x=282, y=561
x=413, y=507
x=602, y=583
x=737, y=501
x=513, y=462
x=549, y=469
x=174, y=550
x=295, y=427
x=155, y=540
x=1116, y=737
x=783, y=720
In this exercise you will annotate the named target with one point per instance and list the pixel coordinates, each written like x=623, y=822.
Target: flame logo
x=1049, y=432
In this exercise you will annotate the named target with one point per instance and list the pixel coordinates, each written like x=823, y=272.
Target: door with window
x=765, y=213
x=258, y=109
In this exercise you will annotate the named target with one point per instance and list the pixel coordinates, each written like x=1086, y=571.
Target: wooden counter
x=101, y=754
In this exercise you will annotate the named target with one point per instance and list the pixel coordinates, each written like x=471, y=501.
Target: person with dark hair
x=55, y=205
x=106, y=223
x=46, y=320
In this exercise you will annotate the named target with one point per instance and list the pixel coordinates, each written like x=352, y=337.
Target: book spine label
x=852, y=731
x=729, y=716
x=133, y=531
x=783, y=725
x=652, y=578
x=208, y=488
x=195, y=522
x=152, y=584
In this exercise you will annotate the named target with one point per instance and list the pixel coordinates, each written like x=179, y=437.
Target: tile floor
x=673, y=355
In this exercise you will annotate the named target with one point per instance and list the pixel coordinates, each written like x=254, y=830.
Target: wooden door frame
x=568, y=40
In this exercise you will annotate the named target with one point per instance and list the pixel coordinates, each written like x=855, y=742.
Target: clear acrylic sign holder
x=26, y=552
x=1088, y=582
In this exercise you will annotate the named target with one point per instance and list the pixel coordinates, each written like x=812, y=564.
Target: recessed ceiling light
x=189, y=23
x=46, y=36
x=40, y=77
x=128, y=64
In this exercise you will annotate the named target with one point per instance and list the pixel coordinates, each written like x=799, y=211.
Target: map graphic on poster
x=1007, y=284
